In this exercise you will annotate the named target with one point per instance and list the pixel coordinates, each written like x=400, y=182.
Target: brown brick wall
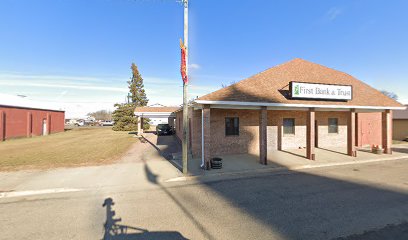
x=275, y=129
x=248, y=140
x=196, y=133
x=369, y=129
x=326, y=139
x=179, y=125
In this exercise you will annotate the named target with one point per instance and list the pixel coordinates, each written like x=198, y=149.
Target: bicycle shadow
x=115, y=231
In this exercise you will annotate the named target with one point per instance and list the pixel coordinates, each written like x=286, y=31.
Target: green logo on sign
x=297, y=90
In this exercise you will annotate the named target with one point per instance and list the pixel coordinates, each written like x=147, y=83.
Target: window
x=288, y=126
x=231, y=126
x=333, y=125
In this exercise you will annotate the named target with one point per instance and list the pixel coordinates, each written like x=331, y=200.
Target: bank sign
x=320, y=91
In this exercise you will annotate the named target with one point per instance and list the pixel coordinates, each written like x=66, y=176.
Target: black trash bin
x=216, y=163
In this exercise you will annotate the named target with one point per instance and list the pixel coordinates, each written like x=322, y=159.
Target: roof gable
x=272, y=86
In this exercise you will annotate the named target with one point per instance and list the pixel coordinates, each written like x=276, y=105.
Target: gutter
x=269, y=104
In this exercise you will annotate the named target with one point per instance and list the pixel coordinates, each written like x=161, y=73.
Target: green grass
x=77, y=147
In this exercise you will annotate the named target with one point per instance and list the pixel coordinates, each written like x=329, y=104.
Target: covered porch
x=154, y=112
x=258, y=131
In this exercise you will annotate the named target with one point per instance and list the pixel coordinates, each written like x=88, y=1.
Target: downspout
x=202, y=137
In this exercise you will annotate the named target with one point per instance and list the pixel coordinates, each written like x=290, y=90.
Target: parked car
x=164, y=129
x=107, y=123
x=79, y=123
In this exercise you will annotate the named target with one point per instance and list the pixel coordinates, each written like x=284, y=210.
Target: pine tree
x=123, y=117
x=136, y=88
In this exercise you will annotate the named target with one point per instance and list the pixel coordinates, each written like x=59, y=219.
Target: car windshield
x=163, y=126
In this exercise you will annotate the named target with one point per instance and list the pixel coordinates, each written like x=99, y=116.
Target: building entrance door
x=44, y=127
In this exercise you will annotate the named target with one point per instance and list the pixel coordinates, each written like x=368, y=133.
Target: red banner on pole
x=183, y=66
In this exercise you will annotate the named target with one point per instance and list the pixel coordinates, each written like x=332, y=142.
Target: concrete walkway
x=295, y=159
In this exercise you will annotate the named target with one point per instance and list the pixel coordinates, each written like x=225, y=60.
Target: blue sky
x=77, y=54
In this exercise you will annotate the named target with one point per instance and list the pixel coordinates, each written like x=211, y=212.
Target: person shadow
x=113, y=230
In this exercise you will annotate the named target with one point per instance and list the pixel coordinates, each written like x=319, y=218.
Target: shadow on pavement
x=298, y=205
x=400, y=149
x=116, y=231
x=301, y=205
x=166, y=146
x=391, y=231
x=152, y=178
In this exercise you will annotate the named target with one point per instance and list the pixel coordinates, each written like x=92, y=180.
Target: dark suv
x=164, y=129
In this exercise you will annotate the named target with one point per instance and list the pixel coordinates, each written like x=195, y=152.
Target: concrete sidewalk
x=294, y=160
x=129, y=171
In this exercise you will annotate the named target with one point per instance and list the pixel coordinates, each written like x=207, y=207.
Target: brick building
x=298, y=104
x=23, y=118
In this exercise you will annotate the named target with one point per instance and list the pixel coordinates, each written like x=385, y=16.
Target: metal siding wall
x=16, y=121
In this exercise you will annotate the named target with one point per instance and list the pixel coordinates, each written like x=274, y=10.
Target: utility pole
x=185, y=95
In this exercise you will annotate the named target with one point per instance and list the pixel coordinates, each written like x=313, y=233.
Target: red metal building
x=22, y=118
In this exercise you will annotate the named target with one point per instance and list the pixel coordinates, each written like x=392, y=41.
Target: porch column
x=357, y=126
x=351, y=133
x=29, y=124
x=263, y=122
x=387, y=131
x=139, y=125
x=206, y=131
x=2, y=126
x=310, y=134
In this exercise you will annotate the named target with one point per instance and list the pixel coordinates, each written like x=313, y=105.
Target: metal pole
x=185, y=95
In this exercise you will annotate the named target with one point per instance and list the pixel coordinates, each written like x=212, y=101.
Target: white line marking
x=37, y=192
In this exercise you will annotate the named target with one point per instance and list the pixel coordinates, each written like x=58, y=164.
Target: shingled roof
x=272, y=86
x=156, y=109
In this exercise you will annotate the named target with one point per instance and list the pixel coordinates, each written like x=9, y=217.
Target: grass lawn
x=80, y=146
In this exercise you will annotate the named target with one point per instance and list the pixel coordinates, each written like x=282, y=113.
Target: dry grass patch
x=81, y=146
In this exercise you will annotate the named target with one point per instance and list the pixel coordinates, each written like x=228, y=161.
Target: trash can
x=216, y=163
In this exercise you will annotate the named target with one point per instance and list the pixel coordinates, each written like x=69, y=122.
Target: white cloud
x=79, y=95
x=333, y=13
x=194, y=66
x=56, y=85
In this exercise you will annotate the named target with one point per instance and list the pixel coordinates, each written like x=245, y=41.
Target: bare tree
x=390, y=94
x=223, y=85
x=101, y=115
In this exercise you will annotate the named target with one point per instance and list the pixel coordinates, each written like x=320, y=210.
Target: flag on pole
x=183, y=67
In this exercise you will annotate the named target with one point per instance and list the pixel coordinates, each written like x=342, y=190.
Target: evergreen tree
x=123, y=117
x=136, y=88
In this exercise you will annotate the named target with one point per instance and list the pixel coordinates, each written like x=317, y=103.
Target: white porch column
x=387, y=131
